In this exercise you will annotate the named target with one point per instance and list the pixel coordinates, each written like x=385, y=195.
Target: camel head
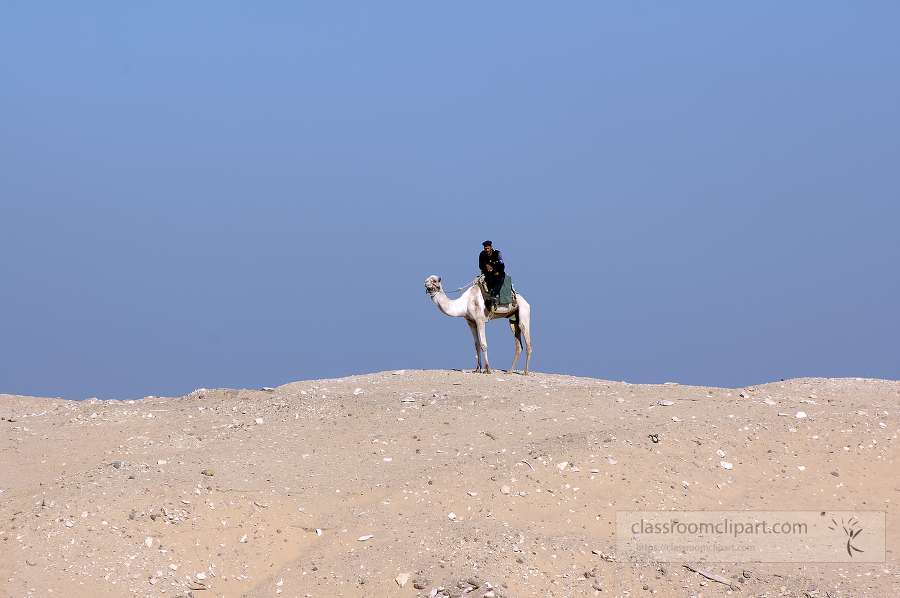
x=433, y=285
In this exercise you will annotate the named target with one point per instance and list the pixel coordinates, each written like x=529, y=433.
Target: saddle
x=507, y=302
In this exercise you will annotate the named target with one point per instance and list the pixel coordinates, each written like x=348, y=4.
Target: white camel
x=471, y=307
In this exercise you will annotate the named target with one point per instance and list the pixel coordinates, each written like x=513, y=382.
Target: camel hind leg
x=526, y=333
x=524, y=325
x=517, y=334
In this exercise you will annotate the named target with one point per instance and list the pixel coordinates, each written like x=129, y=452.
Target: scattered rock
x=402, y=579
x=208, y=472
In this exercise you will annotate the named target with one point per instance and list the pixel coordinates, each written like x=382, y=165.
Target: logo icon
x=851, y=529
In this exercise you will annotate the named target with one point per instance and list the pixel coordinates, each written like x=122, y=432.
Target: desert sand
x=431, y=483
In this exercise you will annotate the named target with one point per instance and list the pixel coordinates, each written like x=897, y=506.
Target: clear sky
x=210, y=194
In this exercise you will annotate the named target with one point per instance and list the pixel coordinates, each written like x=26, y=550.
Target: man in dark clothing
x=490, y=262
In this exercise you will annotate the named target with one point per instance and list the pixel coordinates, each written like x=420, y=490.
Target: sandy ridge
x=115, y=498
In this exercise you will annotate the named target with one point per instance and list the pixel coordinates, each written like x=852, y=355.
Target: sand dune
x=423, y=483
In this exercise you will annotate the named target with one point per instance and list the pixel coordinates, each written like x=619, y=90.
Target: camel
x=470, y=306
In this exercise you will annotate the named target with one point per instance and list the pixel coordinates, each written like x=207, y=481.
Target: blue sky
x=243, y=195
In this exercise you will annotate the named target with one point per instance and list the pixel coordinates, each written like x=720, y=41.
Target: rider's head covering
x=487, y=244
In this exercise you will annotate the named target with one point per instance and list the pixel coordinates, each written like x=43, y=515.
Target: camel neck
x=451, y=307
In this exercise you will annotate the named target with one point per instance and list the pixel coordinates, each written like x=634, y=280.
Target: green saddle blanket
x=506, y=291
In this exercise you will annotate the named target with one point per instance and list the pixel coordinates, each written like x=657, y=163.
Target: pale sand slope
x=87, y=483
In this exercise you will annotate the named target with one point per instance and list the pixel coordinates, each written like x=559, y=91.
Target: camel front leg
x=474, y=330
x=482, y=337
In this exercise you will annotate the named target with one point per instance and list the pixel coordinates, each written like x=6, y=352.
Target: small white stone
x=768, y=401
x=364, y=538
x=243, y=538
x=357, y=391
x=160, y=461
x=201, y=576
x=148, y=542
x=402, y=579
x=451, y=515
x=562, y=466
x=666, y=403
x=720, y=452
x=504, y=489
x=800, y=415
x=472, y=493
x=726, y=464
x=686, y=484
x=173, y=567
x=620, y=400
x=801, y=467
x=259, y=420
